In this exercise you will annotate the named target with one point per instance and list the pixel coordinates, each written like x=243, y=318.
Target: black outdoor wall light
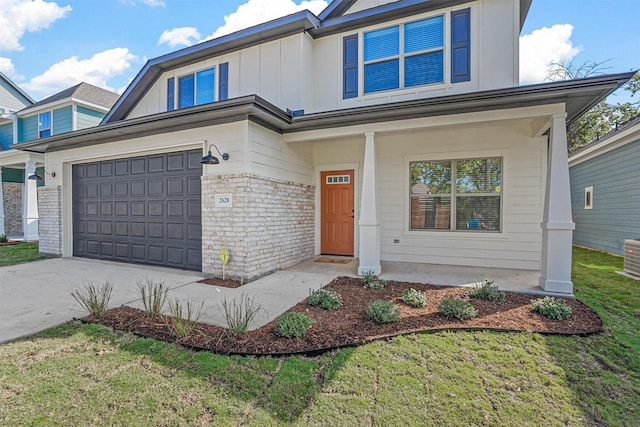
x=40, y=178
x=210, y=159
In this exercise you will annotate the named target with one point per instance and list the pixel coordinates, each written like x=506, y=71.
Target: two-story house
x=382, y=130
x=78, y=107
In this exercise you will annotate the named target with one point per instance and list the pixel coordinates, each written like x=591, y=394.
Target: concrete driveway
x=37, y=295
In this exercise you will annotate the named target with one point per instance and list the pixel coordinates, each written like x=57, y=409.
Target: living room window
x=404, y=55
x=471, y=189
x=44, y=124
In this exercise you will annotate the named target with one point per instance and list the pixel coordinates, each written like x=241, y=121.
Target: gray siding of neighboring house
x=615, y=177
x=10, y=99
x=6, y=135
x=62, y=120
x=88, y=118
x=28, y=128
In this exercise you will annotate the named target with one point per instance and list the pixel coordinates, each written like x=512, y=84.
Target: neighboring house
x=13, y=163
x=79, y=107
x=605, y=189
x=383, y=130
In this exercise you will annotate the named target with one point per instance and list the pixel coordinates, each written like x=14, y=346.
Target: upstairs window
x=197, y=88
x=459, y=195
x=44, y=124
x=405, y=55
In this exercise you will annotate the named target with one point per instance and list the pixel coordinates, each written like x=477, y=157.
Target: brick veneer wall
x=50, y=221
x=12, y=199
x=270, y=225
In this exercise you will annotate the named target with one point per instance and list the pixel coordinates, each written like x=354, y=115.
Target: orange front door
x=337, y=214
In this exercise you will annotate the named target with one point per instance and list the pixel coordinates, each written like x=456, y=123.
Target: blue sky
x=49, y=45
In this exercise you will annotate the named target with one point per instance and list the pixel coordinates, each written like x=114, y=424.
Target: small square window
x=588, y=197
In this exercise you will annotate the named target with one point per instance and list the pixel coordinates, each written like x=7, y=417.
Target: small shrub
x=413, y=298
x=553, y=308
x=325, y=298
x=381, y=311
x=94, y=298
x=457, y=309
x=153, y=296
x=488, y=292
x=3, y=238
x=293, y=325
x=238, y=316
x=372, y=281
x=184, y=318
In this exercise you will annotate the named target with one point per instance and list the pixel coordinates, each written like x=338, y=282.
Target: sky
x=49, y=45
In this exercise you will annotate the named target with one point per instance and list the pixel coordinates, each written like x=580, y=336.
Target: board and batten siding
x=6, y=134
x=28, y=128
x=615, y=215
x=517, y=246
x=62, y=120
x=87, y=118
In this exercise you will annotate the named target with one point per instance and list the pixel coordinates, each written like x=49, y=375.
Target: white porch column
x=368, y=223
x=30, y=203
x=1, y=206
x=557, y=225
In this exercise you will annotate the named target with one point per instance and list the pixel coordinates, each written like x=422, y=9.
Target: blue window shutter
x=223, y=82
x=461, y=45
x=186, y=87
x=205, y=82
x=171, y=94
x=350, y=66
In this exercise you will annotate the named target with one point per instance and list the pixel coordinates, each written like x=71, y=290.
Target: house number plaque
x=224, y=200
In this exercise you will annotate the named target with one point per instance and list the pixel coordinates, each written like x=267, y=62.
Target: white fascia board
x=17, y=158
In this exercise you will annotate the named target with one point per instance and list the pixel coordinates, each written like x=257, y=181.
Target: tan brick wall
x=12, y=199
x=269, y=227
x=50, y=222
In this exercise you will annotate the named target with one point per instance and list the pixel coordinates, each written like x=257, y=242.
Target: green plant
x=381, y=311
x=372, y=281
x=3, y=238
x=184, y=318
x=487, y=291
x=325, y=298
x=94, y=298
x=553, y=308
x=413, y=298
x=293, y=325
x=153, y=296
x=239, y=315
x=457, y=309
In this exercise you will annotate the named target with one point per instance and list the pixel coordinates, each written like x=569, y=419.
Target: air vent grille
x=632, y=256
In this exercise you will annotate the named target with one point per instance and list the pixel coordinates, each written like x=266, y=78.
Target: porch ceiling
x=577, y=95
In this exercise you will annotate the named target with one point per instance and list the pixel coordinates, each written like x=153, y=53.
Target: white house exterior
x=387, y=131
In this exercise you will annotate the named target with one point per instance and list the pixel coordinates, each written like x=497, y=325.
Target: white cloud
x=543, y=47
x=96, y=70
x=7, y=68
x=255, y=12
x=184, y=36
x=20, y=16
x=152, y=3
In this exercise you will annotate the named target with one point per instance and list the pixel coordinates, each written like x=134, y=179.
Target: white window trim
x=457, y=234
x=588, y=191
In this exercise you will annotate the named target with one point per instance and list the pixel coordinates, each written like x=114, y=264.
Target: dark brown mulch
x=348, y=326
x=11, y=242
x=227, y=283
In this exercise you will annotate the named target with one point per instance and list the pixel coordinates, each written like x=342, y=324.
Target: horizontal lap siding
x=88, y=118
x=519, y=244
x=615, y=178
x=6, y=135
x=62, y=120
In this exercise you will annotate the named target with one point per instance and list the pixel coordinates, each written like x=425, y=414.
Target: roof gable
x=14, y=91
x=82, y=92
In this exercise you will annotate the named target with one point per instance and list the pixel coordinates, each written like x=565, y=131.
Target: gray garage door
x=143, y=210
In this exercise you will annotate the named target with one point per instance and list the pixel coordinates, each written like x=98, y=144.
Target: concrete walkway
x=36, y=296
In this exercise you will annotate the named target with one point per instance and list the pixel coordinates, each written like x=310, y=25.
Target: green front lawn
x=88, y=375
x=16, y=254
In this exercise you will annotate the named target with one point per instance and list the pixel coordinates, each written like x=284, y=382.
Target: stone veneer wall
x=12, y=199
x=270, y=225
x=50, y=221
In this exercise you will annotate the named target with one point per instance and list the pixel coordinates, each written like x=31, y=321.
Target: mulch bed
x=348, y=325
x=11, y=242
x=227, y=283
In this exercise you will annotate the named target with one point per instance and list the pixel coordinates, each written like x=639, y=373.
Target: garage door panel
x=144, y=209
